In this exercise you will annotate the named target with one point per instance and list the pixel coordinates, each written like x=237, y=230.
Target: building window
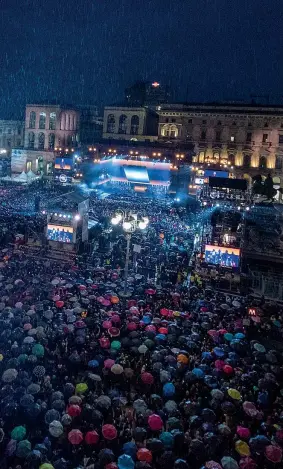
x=1, y=131
x=9, y=131
x=51, y=141
x=234, y=123
x=190, y=121
x=19, y=142
x=247, y=160
x=204, y=121
x=19, y=130
x=32, y=118
x=31, y=140
x=8, y=142
x=232, y=138
x=217, y=136
x=249, y=137
x=264, y=138
x=111, y=124
x=219, y=123
x=280, y=141
x=173, y=120
x=278, y=163
x=135, y=121
x=266, y=124
x=122, y=124
x=166, y=120
x=262, y=162
x=249, y=124
x=231, y=160
x=42, y=120
x=52, y=121
x=41, y=141
x=203, y=135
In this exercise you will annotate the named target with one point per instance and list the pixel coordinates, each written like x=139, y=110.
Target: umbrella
x=18, y=433
x=92, y=437
x=109, y=432
x=144, y=455
x=242, y=448
x=258, y=443
x=234, y=394
x=23, y=449
x=46, y=466
x=167, y=439
x=155, y=422
x=125, y=461
x=139, y=434
x=250, y=409
x=33, y=388
x=247, y=463
x=56, y=428
x=81, y=388
x=130, y=448
x=229, y=463
x=9, y=375
x=74, y=410
x=147, y=378
x=273, y=453
x=117, y=369
x=140, y=406
x=243, y=432
x=104, y=401
x=51, y=415
x=75, y=437
x=39, y=371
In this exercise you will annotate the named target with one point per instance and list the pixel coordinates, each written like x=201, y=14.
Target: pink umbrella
x=150, y=291
x=27, y=327
x=109, y=363
x=213, y=333
x=82, y=287
x=212, y=465
x=106, y=302
x=155, y=422
x=109, y=432
x=106, y=324
x=247, y=463
x=150, y=328
x=132, y=326
x=115, y=319
x=104, y=342
x=94, y=286
x=243, y=432
x=56, y=298
x=219, y=364
x=114, y=331
x=147, y=378
x=273, y=453
x=75, y=437
x=100, y=299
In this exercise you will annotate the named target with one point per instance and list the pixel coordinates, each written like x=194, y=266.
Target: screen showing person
x=222, y=255
x=63, y=234
x=63, y=163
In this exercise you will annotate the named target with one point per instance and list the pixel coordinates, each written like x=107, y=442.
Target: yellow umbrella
x=46, y=465
x=242, y=448
x=81, y=388
x=234, y=394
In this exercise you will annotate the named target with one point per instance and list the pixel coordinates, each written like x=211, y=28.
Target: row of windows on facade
x=123, y=124
x=172, y=131
x=8, y=142
x=204, y=122
x=10, y=131
x=70, y=140
x=67, y=121
x=216, y=159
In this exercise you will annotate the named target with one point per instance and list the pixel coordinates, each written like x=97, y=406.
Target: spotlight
x=247, y=208
x=77, y=217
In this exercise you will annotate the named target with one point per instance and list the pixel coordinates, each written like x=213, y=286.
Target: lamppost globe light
x=77, y=216
x=146, y=220
x=115, y=221
x=142, y=225
x=127, y=225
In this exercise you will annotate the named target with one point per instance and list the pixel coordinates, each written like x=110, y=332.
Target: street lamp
x=130, y=223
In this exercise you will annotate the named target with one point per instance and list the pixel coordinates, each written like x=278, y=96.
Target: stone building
x=248, y=139
x=130, y=123
x=49, y=126
x=11, y=134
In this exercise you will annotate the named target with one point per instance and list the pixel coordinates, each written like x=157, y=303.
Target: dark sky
x=84, y=51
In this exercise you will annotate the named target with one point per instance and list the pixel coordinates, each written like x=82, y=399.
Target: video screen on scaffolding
x=64, y=163
x=136, y=174
x=63, y=234
x=222, y=255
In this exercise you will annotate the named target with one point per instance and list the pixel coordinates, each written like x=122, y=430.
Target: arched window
x=41, y=141
x=165, y=131
x=170, y=131
x=247, y=160
x=231, y=159
x=32, y=118
x=51, y=141
x=262, y=162
x=52, y=121
x=69, y=141
x=111, y=124
x=135, y=125
x=122, y=124
x=216, y=156
x=42, y=120
x=173, y=131
x=31, y=140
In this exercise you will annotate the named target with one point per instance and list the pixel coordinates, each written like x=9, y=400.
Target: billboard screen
x=64, y=234
x=64, y=163
x=136, y=174
x=216, y=174
x=222, y=255
x=18, y=161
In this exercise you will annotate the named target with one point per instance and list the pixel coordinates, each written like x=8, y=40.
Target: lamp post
x=130, y=223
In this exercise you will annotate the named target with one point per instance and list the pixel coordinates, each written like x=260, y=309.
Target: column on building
x=239, y=159
x=271, y=160
x=255, y=159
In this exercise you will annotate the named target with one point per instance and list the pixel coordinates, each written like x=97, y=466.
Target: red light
x=155, y=84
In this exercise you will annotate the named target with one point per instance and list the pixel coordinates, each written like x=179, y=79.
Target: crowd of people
x=165, y=374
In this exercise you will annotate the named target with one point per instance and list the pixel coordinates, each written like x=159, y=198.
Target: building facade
x=143, y=93
x=248, y=139
x=11, y=135
x=49, y=126
x=130, y=123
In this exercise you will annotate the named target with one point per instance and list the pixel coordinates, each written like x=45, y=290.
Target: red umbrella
x=114, y=331
x=74, y=410
x=228, y=370
x=222, y=331
x=132, y=326
x=94, y=286
x=155, y=422
x=115, y=319
x=150, y=328
x=163, y=330
x=75, y=437
x=219, y=364
x=112, y=465
x=104, y=342
x=145, y=455
x=59, y=304
x=273, y=453
x=109, y=432
x=247, y=463
x=164, y=312
x=243, y=432
x=150, y=291
x=147, y=378
x=92, y=438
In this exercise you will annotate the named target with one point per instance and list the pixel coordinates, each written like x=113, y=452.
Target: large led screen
x=136, y=174
x=222, y=255
x=64, y=163
x=219, y=174
x=64, y=234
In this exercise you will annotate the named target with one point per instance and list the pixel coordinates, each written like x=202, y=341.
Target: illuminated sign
x=155, y=84
x=222, y=255
x=252, y=312
x=63, y=178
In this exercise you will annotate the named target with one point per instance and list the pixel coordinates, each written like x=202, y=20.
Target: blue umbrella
x=168, y=390
x=198, y=373
x=167, y=439
x=125, y=462
x=130, y=449
x=93, y=364
x=219, y=352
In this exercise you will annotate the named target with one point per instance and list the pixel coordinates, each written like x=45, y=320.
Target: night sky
x=88, y=51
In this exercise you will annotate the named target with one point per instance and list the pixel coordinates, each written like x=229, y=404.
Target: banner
x=83, y=208
x=18, y=161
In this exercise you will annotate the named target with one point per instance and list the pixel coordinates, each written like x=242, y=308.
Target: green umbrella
x=81, y=387
x=22, y=358
x=23, y=449
x=46, y=465
x=18, y=433
x=38, y=350
x=116, y=345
